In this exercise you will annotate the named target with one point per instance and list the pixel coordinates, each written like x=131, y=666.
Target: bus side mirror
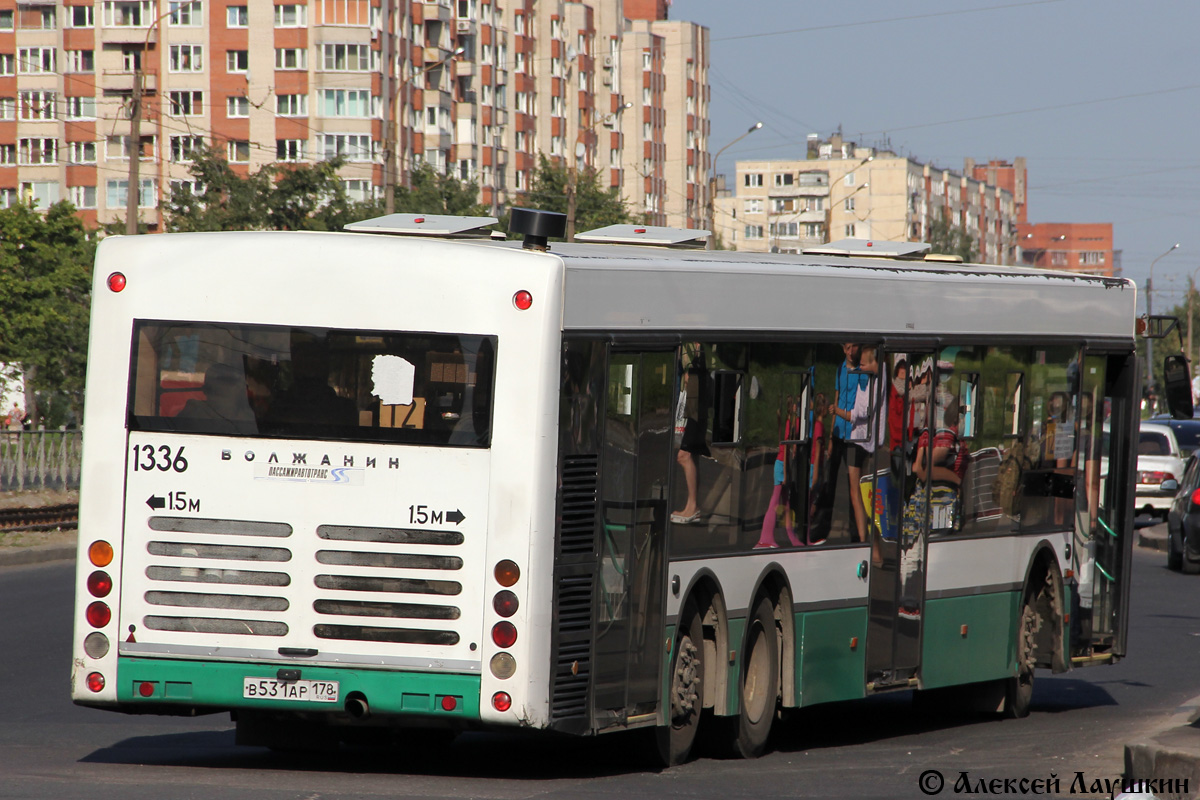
x=1178, y=386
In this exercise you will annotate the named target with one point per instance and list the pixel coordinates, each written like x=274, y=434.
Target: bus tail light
x=96, y=645
x=503, y=665
x=507, y=573
x=449, y=703
x=504, y=634
x=100, y=553
x=501, y=701
x=99, y=584
x=504, y=602
x=99, y=614
x=95, y=681
x=116, y=282
x=1196, y=498
x=523, y=300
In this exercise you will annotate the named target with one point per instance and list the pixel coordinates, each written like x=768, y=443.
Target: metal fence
x=40, y=460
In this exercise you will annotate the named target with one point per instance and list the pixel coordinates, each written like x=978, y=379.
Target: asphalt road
x=50, y=748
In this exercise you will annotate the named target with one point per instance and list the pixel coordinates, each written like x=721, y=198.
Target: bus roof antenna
x=537, y=226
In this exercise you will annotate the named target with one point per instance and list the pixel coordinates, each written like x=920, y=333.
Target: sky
x=1102, y=98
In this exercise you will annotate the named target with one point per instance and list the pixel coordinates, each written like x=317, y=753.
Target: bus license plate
x=305, y=691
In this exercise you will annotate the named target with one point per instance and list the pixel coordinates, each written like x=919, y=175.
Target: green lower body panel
x=733, y=686
x=830, y=655
x=220, y=685
x=969, y=639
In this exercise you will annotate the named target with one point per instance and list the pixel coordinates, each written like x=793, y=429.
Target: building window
x=289, y=149
x=81, y=17
x=36, y=60
x=8, y=198
x=849, y=179
x=236, y=17
x=814, y=204
x=8, y=155
x=753, y=180
x=347, y=103
x=291, y=105
x=187, y=13
x=37, y=105
x=81, y=61
x=850, y=230
x=753, y=206
x=8, y=64
x=290, y=58
x=1091, y=258
x=42, y=194
x=79, y=107
x=37, y=152
x=187, y=103
x=186, y=188
x=128, y=13
x=83, y=196
x=812, y=230
x=117, y=193
x=346, y=58
x=8, y=108
x=186, y=58
x=645, y=62
x=8, y=23
x=1058, y=258
x=38, y=19
x=359, y=191
x=291, y=16
x=81, y=153
x=237, y=61
x=350, y=146
x=236, y=106
x=237, y=151
x=784, y=179
x=115, y=148
x=754, y=231
x=849, y=204
x=184, y=148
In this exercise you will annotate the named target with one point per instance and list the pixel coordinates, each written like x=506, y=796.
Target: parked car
x=1159, y=459
x=1183, y=521
x=1187, y=431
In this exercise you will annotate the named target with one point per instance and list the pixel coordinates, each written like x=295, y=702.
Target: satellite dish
x=580, y=150
x=571, y=53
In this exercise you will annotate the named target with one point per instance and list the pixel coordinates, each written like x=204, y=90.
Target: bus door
x=1104, y=509
x=638, y=429
x=899, y=522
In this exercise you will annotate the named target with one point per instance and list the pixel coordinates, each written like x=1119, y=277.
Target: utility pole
x=389, y=124
x=1149, y=314
x=133, y=148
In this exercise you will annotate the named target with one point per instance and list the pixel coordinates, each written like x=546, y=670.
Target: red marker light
x=505, y=603
x=98, y=614
x=501, y=701
x=523, y=300
x=116, y=282
x=418, y=220
x=639, y=230
x=99, y=584
x=146, y=689
x=95, y=681
x=870, y=244
x=449, y=703
x=504, y=634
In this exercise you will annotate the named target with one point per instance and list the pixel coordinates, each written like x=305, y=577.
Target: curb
x=1172, y=754
x=38, y=554
x=1152, y=541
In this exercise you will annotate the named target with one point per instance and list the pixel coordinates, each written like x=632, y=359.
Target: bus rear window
x=312, y=383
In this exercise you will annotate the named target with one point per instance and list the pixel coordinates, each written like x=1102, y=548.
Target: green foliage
x=949, y=239
x=292, y=197
x=432, y=193
x=595, y=205
x=45, y=291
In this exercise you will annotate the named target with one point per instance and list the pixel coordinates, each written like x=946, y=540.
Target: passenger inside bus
x=225, y=407
x=309, y=397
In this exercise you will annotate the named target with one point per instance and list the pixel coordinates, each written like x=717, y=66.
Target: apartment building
x=475, y=88
x=841, y=190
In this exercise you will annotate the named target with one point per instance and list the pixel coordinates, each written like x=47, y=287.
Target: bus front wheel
x=686, y=699
x=760, y=682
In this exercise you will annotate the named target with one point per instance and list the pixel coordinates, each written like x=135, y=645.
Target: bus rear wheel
x=686, y=699
x=759, y=683
x=1018, y=693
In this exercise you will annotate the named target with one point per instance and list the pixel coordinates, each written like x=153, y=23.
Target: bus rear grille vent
x=580, y=479
x=573, y=645
x=223, y=527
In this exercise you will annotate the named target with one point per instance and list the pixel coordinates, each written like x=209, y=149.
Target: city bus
x=415, y=479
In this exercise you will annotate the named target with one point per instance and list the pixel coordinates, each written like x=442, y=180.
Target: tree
x=949, y=239
x=45, y=291
x=432, y=193
x=275, y=197
x=595, y=205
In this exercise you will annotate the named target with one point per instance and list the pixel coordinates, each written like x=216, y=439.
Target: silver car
x=1159, y=459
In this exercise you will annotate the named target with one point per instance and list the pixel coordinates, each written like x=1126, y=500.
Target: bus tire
x=759, y=684
x=1018, y=690
x=685, y=700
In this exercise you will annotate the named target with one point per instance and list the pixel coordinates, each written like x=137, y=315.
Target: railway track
x=46, y=518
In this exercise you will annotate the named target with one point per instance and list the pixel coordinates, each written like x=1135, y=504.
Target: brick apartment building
x=475, y=88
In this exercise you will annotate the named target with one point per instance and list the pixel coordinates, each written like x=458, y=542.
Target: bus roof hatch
x=869, y=247
x=443, y=225
x=645, y=234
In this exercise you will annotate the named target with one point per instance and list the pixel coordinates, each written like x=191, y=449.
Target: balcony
x=436, y=11
x=121, y=82
x=128, y=34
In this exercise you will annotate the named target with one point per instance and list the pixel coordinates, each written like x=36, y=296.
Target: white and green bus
x=407, y=478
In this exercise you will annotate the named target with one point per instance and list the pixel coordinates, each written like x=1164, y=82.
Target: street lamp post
x=1191, y=311
x=712, y=185
x=1149, y=341
x=389, y=160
